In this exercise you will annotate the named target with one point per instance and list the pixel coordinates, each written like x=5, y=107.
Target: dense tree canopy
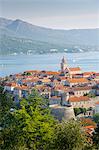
x=78, y=111
x=32, y=127
x=69, y=136
x=6, y=101
x=96, y=117
x=96, y=137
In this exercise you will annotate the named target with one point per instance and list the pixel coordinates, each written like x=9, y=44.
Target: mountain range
x=19, y=36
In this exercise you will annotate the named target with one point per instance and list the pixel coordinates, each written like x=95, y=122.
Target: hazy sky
x=63, y=14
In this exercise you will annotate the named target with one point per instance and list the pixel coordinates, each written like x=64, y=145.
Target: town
x=71, y=93
x=69, y=88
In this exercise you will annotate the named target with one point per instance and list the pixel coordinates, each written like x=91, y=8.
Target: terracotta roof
x=97, y=74
x=32, y=71
x=21, y=87
x=82, y=88
x=78, y=99
x=97, y=103
x=24, y=81
x=88, y=73
x=77, y=80
x=29, y=77
x=56, y=81
x=12, y=84
x=75, y=69
x=62, y=77
x=42, y=87
x=52, y=73
x=89, y=127
x=18, y=74
x=46, y=80
x=60, y=87
x=34, y=80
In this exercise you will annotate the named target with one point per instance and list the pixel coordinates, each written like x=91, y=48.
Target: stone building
x=62, y=112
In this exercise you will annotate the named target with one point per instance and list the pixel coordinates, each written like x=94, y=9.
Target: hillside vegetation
x=19, y=36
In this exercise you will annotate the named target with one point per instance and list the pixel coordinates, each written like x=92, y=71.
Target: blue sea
x=12, y=64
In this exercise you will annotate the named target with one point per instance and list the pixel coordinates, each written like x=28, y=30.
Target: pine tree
x=96, y=137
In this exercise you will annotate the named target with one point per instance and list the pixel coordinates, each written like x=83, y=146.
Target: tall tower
x=64, y=65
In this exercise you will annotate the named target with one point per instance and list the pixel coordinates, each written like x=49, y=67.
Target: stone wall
x=62, y=112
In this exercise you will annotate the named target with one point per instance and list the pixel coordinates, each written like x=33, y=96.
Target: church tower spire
x=64, y=65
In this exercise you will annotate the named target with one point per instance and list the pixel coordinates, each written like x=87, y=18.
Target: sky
x=57, y=14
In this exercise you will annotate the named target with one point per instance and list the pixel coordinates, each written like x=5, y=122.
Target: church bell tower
x=64, y=65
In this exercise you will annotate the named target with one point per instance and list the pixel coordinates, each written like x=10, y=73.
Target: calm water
x=15, y=64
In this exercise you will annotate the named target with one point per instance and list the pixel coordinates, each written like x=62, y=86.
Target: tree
x=91, y=95
x=6, y=101
x=96, y=137
x=96, y=117
x=83, y=110
x=69, y=136
x=77, y=111
x=29, y=127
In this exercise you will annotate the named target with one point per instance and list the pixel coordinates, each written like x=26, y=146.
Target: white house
x=10, y=86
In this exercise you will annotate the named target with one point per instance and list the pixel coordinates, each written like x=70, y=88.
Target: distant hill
x=19, y=31
x=4, y=22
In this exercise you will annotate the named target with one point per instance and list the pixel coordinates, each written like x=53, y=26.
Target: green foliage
x=30, y=127
x=1, y=89
x=96, y=118
x=91, y=95
x=78, y=111
x=6, y=101
x=10, y=45
x=83, y=110
x=69, y=136
x=26, y=74
x=96, y=137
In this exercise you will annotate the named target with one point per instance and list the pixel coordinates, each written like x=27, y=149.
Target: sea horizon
x=19, y=63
